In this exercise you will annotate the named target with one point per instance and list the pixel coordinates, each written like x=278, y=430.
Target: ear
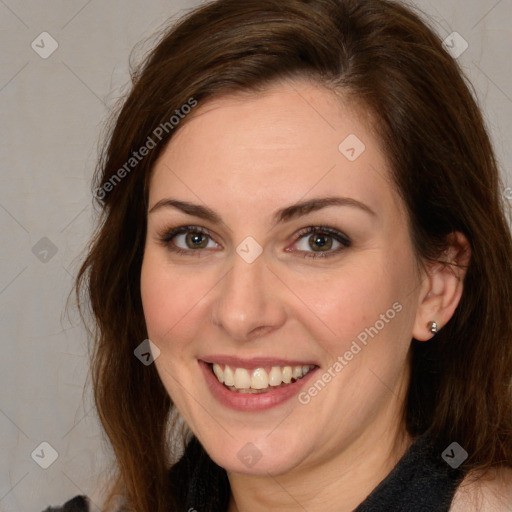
x=442, y=286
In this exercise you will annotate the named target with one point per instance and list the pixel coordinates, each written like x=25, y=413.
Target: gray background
x=52, y=114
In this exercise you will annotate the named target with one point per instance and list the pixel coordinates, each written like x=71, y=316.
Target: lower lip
x=251, y=401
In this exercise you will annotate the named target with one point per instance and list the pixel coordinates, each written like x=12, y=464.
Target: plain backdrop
x=53, y=108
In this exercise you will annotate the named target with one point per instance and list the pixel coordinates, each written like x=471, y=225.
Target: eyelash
x=167, y=236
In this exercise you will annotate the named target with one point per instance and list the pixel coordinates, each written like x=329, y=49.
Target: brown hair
x=378, y=53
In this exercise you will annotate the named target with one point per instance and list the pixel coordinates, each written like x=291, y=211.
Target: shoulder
x=491, y=492
x=77, y=504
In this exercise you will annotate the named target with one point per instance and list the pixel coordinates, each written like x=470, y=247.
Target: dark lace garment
x=421, y=481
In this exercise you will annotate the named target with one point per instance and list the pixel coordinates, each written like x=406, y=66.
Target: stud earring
x=432, y=327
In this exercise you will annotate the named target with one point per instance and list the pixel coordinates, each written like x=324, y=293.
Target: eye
x=313, y=241
x=187, y=240
x=321, y=242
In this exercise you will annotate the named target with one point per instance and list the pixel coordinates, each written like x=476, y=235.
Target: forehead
x=278, y=146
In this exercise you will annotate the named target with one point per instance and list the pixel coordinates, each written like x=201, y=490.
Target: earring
x=432, y=326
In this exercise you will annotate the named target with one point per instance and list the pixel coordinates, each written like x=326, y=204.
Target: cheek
x=354, y=298
x=168, y=297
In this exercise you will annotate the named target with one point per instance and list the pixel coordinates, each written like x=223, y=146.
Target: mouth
x=258, y=380
x=256, y=384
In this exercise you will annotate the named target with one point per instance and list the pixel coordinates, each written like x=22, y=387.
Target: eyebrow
x=286, y=214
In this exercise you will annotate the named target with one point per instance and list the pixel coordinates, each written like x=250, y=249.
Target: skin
x=245, y=157
x=490, y=493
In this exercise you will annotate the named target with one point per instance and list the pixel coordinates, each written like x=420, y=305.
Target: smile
x=255, y=384
x=258, y=380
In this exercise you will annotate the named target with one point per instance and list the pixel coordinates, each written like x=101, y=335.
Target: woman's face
x=265, y=276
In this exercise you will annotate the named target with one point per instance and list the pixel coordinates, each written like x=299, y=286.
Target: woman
x=303, y=213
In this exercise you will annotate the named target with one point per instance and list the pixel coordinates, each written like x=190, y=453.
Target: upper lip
x=254, y=362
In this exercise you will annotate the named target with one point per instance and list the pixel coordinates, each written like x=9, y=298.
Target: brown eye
x=195, y=240
x=187, y=239
x=321, y=242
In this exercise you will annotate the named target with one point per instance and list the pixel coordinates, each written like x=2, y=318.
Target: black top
x=421, y=481
x=77, y=504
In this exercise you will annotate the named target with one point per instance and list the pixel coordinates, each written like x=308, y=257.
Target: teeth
x=287, y=374
x=229, y=378
x=275, y=377
x=218, y=372
x=246, y=381
x=242, y=378
x=297, y=372
x=259, y=379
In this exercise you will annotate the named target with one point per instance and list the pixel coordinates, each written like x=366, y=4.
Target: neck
x=339, y=484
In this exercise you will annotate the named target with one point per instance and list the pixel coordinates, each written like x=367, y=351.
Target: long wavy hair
x=384, y=56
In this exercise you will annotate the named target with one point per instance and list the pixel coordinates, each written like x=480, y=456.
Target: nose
x=248, y=303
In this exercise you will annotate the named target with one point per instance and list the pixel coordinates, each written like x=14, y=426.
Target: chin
x=250, y=456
